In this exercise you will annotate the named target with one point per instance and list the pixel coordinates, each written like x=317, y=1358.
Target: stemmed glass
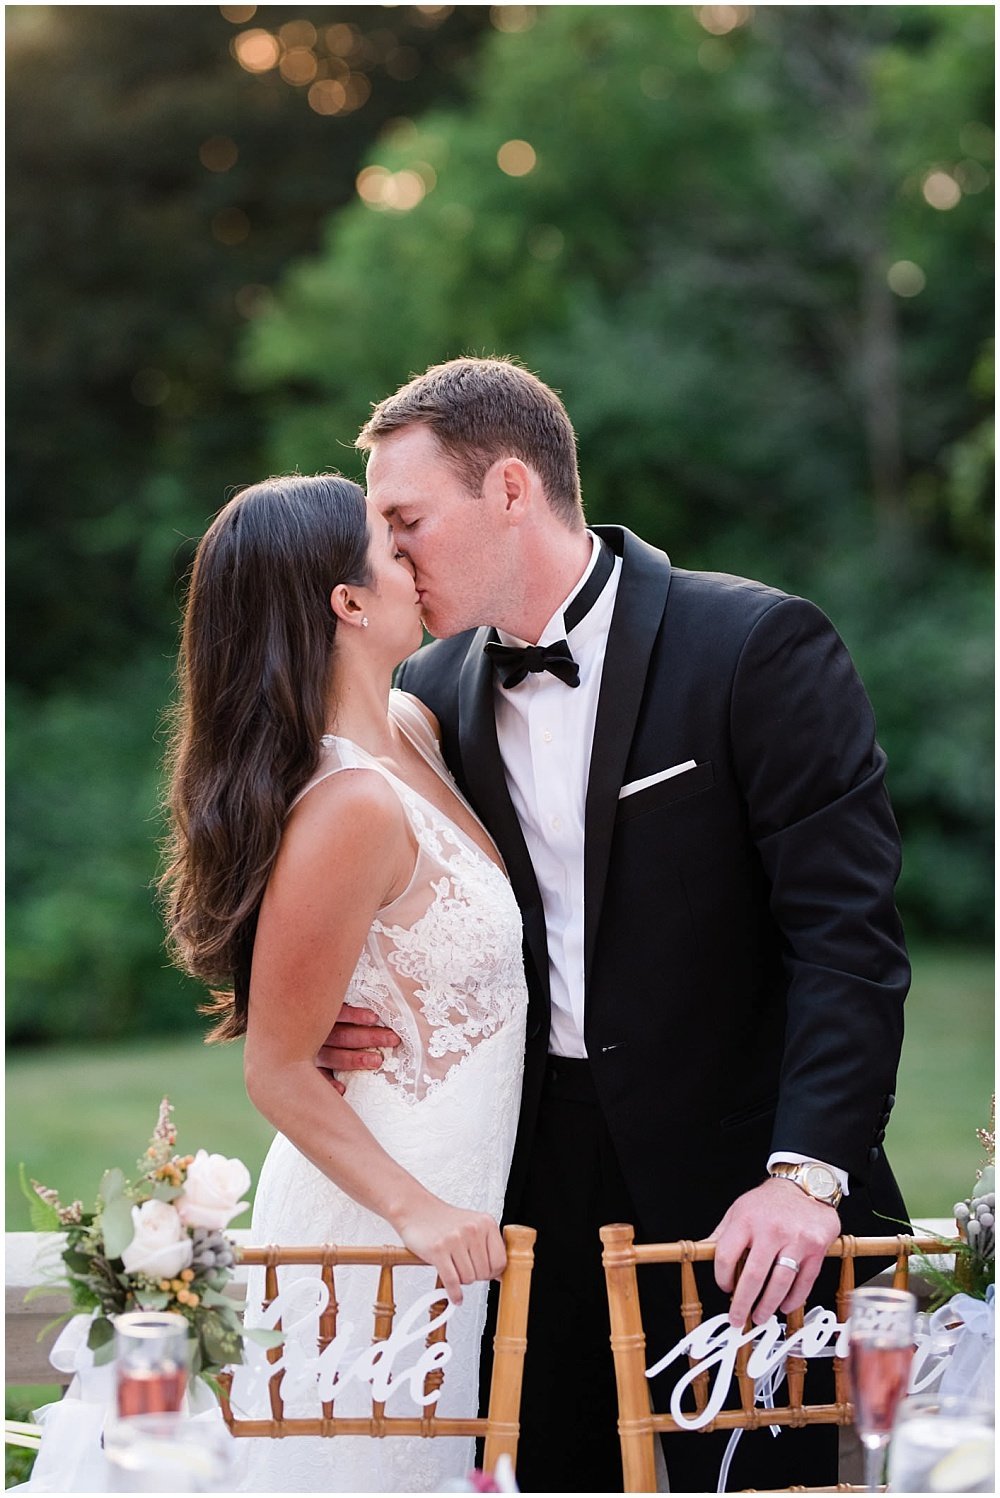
x=151, y=1362
x=881, y=1350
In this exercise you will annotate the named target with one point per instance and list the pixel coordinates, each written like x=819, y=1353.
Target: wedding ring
x=788, y=1263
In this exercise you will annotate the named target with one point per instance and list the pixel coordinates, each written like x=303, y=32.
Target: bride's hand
x=462, y=1246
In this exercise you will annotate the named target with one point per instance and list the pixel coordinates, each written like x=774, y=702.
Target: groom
x=680, y=770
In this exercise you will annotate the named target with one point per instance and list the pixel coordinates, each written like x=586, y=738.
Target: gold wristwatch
x=816, y=1180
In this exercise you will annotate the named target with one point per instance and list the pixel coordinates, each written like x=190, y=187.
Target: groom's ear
x=516, y=483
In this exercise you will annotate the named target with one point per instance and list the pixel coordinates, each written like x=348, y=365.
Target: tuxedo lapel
x=638, y=613
x=484, y=774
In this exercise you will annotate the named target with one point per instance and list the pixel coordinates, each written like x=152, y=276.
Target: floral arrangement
x=155, y=1243
x=975, y=1246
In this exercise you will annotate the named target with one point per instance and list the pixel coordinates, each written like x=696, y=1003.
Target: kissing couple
x=589, y=918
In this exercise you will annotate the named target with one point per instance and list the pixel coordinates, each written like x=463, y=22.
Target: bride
x=320, y=851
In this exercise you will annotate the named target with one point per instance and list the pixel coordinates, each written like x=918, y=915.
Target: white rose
x=160, y=1248
x=212, y=1191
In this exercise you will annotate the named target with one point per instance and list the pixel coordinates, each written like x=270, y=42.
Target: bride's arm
x=345, y=853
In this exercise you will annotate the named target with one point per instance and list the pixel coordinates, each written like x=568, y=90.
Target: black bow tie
x=515, y=662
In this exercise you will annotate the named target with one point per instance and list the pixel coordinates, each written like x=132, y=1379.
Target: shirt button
x=547, y=736
x=555, y=823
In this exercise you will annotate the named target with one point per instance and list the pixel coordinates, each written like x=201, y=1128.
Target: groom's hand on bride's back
x=353, y=1044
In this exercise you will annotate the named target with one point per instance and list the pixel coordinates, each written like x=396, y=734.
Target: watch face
x=821, y=1182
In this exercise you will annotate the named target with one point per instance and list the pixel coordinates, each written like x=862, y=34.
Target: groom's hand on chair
x=354, y=1044
x=774, y=1221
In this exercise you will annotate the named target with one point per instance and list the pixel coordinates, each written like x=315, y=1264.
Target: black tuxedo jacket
x=745, y=966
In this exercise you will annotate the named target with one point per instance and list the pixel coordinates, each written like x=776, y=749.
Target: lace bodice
x=442, y=963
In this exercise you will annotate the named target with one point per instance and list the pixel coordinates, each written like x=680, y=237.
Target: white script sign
x=307, y=1372
x=715, y=1343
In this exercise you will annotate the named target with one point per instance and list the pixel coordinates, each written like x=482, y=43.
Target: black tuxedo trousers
x=744, y=965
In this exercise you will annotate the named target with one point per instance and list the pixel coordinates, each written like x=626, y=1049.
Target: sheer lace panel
x=442, y=963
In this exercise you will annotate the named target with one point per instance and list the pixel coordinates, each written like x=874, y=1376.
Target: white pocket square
x=640, y=785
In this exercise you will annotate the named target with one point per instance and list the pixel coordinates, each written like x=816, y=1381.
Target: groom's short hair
x=484, y=409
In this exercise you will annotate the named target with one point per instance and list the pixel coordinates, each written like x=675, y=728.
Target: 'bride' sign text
x=320, y=1376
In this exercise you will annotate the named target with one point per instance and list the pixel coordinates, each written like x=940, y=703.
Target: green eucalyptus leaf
x=212, y=1382
x=263, y=1337
x=210, y=1297
x=118, y=1228
x=219, y=1342
x=77, y=1261
x=101, y=1334
x=230, y=1314
x=164, y=1192
x=104, y=1355
x=112, y=1185
x=153, y=1300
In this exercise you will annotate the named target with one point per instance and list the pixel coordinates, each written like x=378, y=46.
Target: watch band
x=799, y=1175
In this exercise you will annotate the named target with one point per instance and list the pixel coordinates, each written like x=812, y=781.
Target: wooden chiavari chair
x=499, y=1428
x=639, y=1427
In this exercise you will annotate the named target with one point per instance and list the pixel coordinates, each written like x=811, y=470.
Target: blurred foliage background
x=751, y=247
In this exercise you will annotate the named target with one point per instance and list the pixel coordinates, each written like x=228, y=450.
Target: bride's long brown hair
x=253, y=674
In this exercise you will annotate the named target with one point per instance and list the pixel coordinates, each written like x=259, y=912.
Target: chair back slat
x=434, y=1379
x=691, y=1311
x=744, y=1382
x=795, y=1366
x=273, y=1353
x=384, y=1311
x=328, y=1323
x=845, y=1289
x=901, y=1278
x=637, y=1426
x=500, y=1427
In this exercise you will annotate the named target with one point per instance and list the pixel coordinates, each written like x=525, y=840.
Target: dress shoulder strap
x=335, y=755
x=412, y=718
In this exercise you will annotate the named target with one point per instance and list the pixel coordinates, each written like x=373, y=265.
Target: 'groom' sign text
x=716, y=1342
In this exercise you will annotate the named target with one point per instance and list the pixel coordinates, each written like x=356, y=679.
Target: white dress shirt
x=545, y=731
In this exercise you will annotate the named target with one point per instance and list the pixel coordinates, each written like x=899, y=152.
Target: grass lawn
x=71, y=1113
x=946, y=1078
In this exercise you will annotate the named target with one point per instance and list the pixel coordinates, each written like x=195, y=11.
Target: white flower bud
x=160, y=1247
x=212, y=1191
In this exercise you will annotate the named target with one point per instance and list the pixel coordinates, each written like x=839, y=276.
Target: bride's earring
x=364, y=622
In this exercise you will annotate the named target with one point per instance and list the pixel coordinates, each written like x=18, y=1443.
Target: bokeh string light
x=512, y=18
x=218, y=154
x=941, y=190
x=517, y=158
x=720, y=20
x=332, y=64
x=906, y=278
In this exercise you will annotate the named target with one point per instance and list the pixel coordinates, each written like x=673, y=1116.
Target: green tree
x=156, y=187
x=758, y=266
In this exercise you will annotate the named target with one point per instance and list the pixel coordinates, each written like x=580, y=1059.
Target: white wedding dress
x=442, y=966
